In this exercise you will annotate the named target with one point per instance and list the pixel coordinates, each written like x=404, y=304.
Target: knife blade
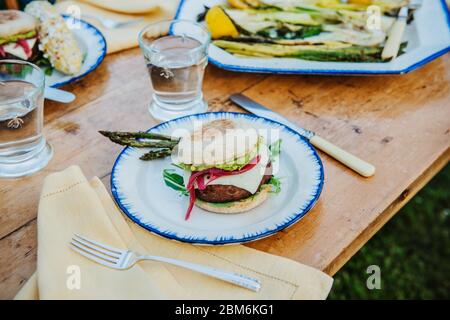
x=261, y=111
x=358, y=165
x=58, y=95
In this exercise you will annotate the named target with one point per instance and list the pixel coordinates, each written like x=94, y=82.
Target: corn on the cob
x=56, y=40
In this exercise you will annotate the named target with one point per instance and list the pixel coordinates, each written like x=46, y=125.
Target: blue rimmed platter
x=93, y=46
x=428, y=38
x=139, y=189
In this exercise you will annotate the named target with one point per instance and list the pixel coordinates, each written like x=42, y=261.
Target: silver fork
x=112, y=24
x=124, y=259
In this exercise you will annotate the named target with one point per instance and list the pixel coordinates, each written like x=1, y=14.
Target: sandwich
x=227, y=168
x=18, y=36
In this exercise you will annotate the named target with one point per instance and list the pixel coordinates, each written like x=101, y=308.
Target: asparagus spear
x=138, y=135
x=307, y=52
x=156, y=154
x=130, y=139
x=163, y=143
x=142, y=144
x=350, y=53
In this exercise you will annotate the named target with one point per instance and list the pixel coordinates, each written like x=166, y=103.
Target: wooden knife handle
x=360, y=166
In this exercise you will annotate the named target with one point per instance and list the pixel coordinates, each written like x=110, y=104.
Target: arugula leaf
x=174, y=180
x=275, y=149
x=48, y=71
x=180, y=166
x=276, y=184
x=45, y=64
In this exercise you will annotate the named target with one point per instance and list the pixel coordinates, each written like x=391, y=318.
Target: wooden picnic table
x=400, y=123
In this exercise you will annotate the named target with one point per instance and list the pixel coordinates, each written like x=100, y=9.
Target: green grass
x=412, y=251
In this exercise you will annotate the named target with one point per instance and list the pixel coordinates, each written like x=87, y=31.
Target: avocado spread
x=19, y=36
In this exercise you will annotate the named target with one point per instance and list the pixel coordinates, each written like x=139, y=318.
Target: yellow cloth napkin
x=131, y=6
x=125, y=37
x=71, y=204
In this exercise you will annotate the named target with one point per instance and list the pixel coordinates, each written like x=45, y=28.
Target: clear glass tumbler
x=23, y=149
x=176, y=55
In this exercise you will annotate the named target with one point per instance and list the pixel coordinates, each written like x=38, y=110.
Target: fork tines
x=98, y=252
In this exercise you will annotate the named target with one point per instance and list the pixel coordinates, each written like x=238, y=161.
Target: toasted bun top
x=217, y=142
x=14, y=22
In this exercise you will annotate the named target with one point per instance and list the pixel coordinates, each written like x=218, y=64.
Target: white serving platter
x=428, y=37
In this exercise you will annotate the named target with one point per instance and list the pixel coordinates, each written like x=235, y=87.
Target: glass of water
x=23, y=149
x=176, y=55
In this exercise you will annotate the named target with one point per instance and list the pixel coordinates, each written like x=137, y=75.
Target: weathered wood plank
x=17, y=259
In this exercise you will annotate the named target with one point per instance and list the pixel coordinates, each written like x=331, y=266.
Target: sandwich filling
x=18, y=36
x=21, y=48
x=202, y=179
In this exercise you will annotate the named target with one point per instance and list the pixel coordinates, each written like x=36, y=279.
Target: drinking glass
x=23, y=149
x=176, y=55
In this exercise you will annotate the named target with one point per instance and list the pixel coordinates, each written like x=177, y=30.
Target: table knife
x=58, y=95
x=360, y=166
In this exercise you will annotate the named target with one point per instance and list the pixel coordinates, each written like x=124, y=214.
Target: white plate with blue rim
x=140, y=192
x=93, y=47
x=428, y=38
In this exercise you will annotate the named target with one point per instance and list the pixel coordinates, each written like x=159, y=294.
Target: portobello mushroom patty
x=219, y=193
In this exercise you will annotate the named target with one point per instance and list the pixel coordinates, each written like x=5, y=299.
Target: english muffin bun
x=237, y=206
x=13, y=22
x=217, y=142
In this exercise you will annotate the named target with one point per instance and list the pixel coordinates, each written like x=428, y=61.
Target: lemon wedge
x=219, y=24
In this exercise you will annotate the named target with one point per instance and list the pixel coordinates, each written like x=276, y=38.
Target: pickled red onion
x=24, y=44
x=214, y=173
